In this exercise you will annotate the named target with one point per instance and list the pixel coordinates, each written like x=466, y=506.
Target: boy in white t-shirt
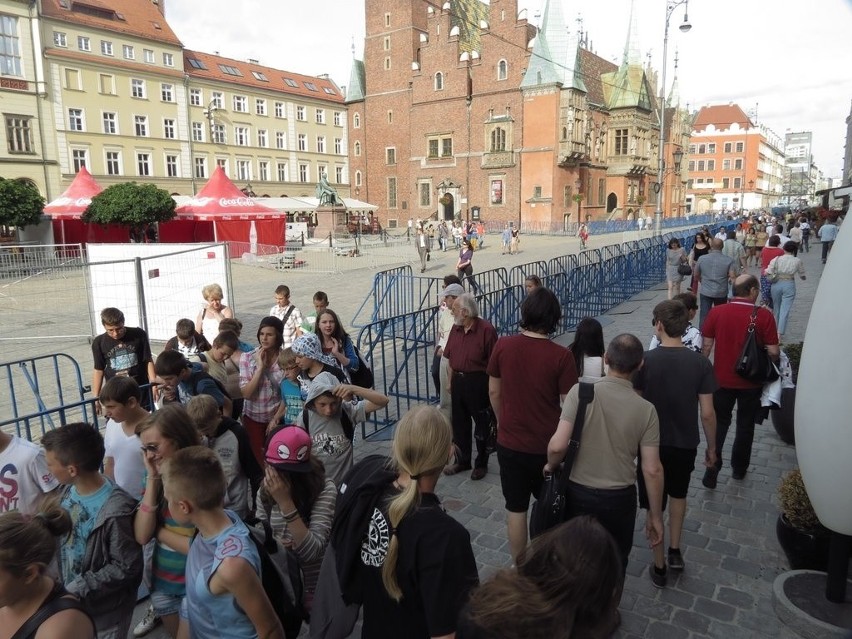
x=120, y=400
x=24, y=477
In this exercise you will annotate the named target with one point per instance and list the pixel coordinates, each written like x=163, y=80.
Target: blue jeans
x=707, y=303
x=783, y=294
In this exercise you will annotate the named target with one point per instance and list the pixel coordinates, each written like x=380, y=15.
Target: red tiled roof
x=276, y=79
x=722, y=116
x=593, y=67
x=104, y=62
x=135, y=17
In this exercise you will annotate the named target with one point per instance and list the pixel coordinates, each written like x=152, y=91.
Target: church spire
x=631, y=46
x=555, y=55
x=674, y=94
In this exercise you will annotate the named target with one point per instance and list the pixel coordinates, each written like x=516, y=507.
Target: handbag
x=754, y=363
x=362, y=377
x=550, y=508
x=684, y=269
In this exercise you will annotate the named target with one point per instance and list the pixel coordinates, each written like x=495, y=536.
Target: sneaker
x=710, y=477
x=657, y=578
x=148, y=623
x=675, y=559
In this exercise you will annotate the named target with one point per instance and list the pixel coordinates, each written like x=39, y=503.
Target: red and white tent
x=77, y=197
x=235, y=216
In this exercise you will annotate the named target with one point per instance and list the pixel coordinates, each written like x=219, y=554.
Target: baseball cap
x=289, y=448
x=453, y=290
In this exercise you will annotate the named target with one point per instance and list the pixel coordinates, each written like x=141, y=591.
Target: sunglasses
x=150, y=448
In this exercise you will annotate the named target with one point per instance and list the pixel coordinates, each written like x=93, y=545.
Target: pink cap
x=289, y=448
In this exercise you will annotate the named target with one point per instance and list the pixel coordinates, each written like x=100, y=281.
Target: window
x=726, y=183
x=168, y=60
x=502, y=70
x=280, y=140
x=243, y=169
x=726, y=165
x=537, y=192
x=113, y=163
x=338, y=118
x=621, y=141
x=10, y=53
x=240, y=104
x=195, y=63
x=197, y=132
x=79, y=159
x=167, y=92
x=439, y=81
x=446, y=147
x=357, y=148
x=304, y=173
x=140, y=123
x=301, y=113
x=322, y=170
x=711, y=165
x=310, y=86
x=262, y=138
x=320, y=144
x=738, y=164
x=19, y=134
x=302, y=142
x=356, y=121
x=283, y=170
x=738, y=182
x=338, y=146
x=711, y=147
x=172, y=166
x=217, y=133
x=222, y=163
x=390, y=117
x=691, y=165
x=728, y=147
x=434, y=146
x=217, y=100
x=137, y=88
x=320, y=116
x=391, y=192
x=700, y=165
x=169, y=129
x=290, y=82
x=739, y=147
x=106, y=47
x=143, y=163
x=110, y=123
x=72, y=79
x=263, y=170
x=84, y=43
x=498, y=139
x=387, y=64
x=195, y=97
x=390, y=155
x=148, y=54
x=387, y=43
x=260, y=106
x=106, y=84
x=425, y=191
x=230, y=70
x=357, y=178
x=200, y=167
x=387, y=19
x=75, y=119
x=260, y=76
x=60, y=39
x=241, y=136
x=129, y=53
x=702, y=149
x=338, y=174
x=601, y=190
x=497, y=191
x=279, y=110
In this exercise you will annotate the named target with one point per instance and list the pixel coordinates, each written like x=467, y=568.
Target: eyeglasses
x=150, y=448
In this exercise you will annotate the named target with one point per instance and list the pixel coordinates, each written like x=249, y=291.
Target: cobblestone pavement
x=729, y=544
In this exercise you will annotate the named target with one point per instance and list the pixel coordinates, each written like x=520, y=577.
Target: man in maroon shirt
x=528, y=377
x=468, y=350
x=726, y=327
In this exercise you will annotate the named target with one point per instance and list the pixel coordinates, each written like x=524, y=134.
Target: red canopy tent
x=71, y=205
x=232, y=214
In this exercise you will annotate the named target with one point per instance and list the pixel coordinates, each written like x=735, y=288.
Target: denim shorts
x=165, y=604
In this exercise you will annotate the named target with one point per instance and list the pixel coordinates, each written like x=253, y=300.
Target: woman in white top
x=214, y=311
x=588, y=349
x=782, y=271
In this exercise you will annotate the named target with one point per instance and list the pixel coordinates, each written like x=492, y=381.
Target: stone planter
x=804, y=549
x=782, y=418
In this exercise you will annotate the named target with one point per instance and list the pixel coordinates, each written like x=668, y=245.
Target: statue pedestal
x=328, y=217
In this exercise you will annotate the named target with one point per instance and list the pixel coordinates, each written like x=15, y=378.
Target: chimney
x=161, y=6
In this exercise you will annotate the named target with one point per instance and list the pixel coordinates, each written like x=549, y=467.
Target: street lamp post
x=671, y=5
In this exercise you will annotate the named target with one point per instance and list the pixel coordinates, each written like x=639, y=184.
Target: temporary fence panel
x=161, y=285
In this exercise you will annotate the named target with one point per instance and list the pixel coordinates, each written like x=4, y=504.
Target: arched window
x=439, y=81
x=502, y=70
x=357, y=148
x=357, y=178
x=564, y=132
x=356, y=121
x=498, y=139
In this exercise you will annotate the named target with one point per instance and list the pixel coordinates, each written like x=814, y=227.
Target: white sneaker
x=148, y=623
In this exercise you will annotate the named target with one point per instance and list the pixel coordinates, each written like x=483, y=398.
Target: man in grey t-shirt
x=714, y=272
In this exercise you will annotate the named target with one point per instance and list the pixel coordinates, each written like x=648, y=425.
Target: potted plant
x=802, y=537
x=782, y=417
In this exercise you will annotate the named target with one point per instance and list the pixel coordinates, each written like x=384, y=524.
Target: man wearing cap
x=445, y=322
x=468, y=350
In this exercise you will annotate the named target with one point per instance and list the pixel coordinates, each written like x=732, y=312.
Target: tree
x=20, y=204
x=131, y=204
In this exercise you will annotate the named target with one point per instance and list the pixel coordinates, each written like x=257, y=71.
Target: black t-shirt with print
x=126, y=356
x=436, y=571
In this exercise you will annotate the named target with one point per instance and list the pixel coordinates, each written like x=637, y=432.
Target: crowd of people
x=232, y=434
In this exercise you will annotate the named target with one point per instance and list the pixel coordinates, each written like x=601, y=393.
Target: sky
x=787, y=60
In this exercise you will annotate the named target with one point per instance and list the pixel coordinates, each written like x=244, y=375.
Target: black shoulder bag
x=550, y=507
x=753, y=363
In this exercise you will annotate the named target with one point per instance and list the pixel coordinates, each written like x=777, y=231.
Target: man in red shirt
x=468, y=350
x=726, y=327
x=528, y=378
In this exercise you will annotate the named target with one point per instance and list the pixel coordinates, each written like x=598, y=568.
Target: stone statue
x=326, y=194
